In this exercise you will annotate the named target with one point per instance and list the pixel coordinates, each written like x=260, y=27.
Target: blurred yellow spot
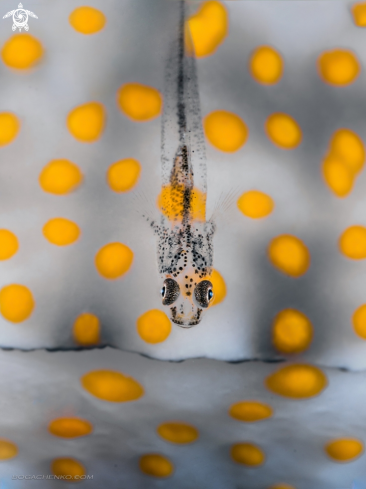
x=247, y=454
x=171, y=203
x=177, y=432
x=283, y=130
x=156, y=465
x=255, y=204
x=122, y=176
x=16, y=303
x=348, y=146
x=154, y=326
x=87, y=20
x=8, y=449
x=113, y=260
x=359, y=14
x=289, y=254
x=68, y=467
x=70, y=427
x=218, y=286
x=8, y=244
x=281, y=486
x=338, y=176
x=9, y=127
x=292, y=331
x=225, y=130
x=86, y=122
x=352, y=242
x=359, y=321
x=21, y=51
x=111, y=386
x=297, y=381
x=139, y=102
x=338, y=67
x=60, y=231
x=208, y=27
x=266, y=65
x=60, y=177
x=250, y=411
x=344, y=449
x=86, y=330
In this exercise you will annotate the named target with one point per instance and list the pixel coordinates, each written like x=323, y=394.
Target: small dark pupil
x=163, y=291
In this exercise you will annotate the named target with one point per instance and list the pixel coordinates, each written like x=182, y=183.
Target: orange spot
x=297, y=381
x=348, y=146
x=113, y=260
x=289, y=254
x=352, y=242
x=8, y=449
x=281, y=486
x=122, y=176
x=156, y=465
x=177, y=432
x=359, y=321
x=139, y=102
x=86, y=330
x=9, y=127
x=60, y=231
x=111, y=386
x=87, y=20
x=86, y=122
x=359, y=14
x=60, y=177
x=225, y=130
x=171, y=203
x=154, y=326
x=255, y=204
x=68, y=467
x=8, y=244
x=16, y=303
x=208, y=28
x=283, y=131
x=21, y=51
x=218, y=286
x=250, y=411
x=338, y=67
x=292, y=331
x=337, y=175
x=344, y=449
x=266, y=65
x=247, y=454
x=70, y=427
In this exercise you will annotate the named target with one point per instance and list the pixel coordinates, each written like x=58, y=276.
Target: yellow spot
x=177, y=432
x=68, y=467
x=281, y=486
x=139, y=102
x=292, y=331
x=283, y=130
x=60, y=177
x=16, y=303
x=344, y=449
x=70, y=427
x=266, y=65
x=250, y=411
x=359, y=321
x=8, y=449
x=8, y=244
x=218, y=286
x=154, y=326
x=60, y=231
x=338, y=176
x=171, y=203
x=352, y=242
x=348, y=146
x=338, y=67
x=156, y=465
x=87, y=20
x=289, y=254
x=86, y=122
x=113, y=260
x=111, y=386
x=9, y=127
x=86, y=330
x=255, y=204
x=21, y=51
x=208, y=27
x=225, y=130
x=247, y=454
x=359, y=14
x=297, y=381
x=122, y=176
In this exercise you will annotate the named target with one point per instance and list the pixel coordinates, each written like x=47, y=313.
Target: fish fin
x=224, y=203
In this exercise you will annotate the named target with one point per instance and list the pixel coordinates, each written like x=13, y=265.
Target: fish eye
x=204, y=293
x=170, y=291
